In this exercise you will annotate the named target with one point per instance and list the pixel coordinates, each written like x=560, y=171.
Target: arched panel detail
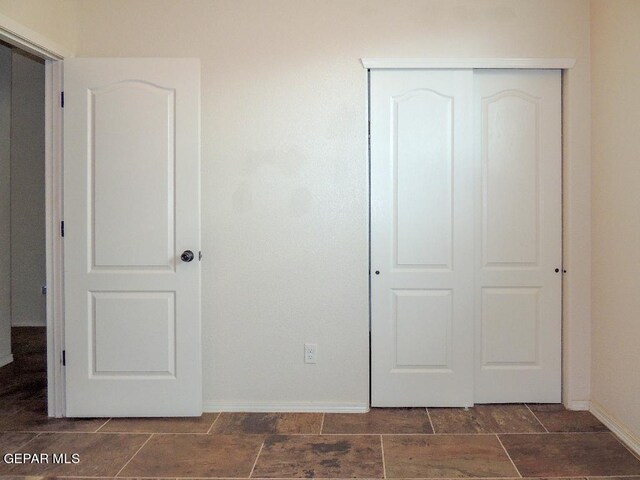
x=423, y=233
x=510, y=179
x=137, y=155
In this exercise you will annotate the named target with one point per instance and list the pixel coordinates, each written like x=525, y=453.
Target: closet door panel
x=421, y=238
x=518, y=232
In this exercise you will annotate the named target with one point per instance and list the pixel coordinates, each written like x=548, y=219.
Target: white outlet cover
x=310, y=352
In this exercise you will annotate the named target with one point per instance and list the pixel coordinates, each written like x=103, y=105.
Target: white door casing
x=519, y=236
x=131, y=207
x=421, y=237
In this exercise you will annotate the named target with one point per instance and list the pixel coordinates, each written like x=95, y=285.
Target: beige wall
x=615, y=35
x=5, y=205
x=284, y=169
x=57, y=20
x=28, y=259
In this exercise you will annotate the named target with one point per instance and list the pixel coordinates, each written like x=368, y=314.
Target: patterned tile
x=11, y=442
x=268, y=423
x=26, y=340
x=326, y=456
x=570, y=454
x=379, y=421
x=21, y=387
x=195, y=456
x=101, y=455
x=446, y=456
x=556, y=418
x=485, y=419
x=38, y=421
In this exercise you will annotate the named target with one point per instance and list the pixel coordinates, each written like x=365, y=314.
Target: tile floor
x=488, y=441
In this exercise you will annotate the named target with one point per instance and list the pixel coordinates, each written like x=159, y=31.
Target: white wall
x=28, y=258
x=285, y=172
x=5, y=205
x=615, y=37
x=284, y=169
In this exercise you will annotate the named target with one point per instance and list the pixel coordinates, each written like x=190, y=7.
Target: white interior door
x=422, y=238
x=465, y=237
x=519, y=262
x=131, y=207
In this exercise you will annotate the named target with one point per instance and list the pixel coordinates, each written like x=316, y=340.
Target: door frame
x=53, y=55
x=575, y=347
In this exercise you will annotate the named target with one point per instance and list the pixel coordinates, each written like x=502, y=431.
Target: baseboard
x=28, y=324
x=630, y=439
x=6, y=360
x=286, y=407
x=578, y=405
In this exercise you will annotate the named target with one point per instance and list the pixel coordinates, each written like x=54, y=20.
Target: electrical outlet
x=310, y=352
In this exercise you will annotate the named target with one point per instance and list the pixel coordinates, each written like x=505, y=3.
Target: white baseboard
x=630, y=439
x=6, y=360
x=578, y=405
x=286, y=407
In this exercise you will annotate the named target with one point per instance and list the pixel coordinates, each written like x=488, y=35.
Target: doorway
x=465, y=236
x=49, y=55
x=23, y=259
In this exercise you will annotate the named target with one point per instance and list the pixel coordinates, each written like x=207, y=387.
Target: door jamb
x=20, y=36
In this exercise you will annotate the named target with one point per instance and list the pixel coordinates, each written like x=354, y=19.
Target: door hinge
x=64, y=358
x=62, y=228
x=61, y=99
x=44, y=289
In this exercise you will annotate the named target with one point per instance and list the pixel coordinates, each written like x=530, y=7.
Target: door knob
x=187, y=256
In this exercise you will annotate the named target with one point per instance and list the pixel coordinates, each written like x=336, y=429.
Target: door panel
x=137, y=156
x=518, y=291
x=149, y=320
x=505, y=342
x=421, y=238
x=131, y=186
x=423, y=328
x=510, y=169
x=423, y=149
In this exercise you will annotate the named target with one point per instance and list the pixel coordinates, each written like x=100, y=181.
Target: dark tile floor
x=488, y=441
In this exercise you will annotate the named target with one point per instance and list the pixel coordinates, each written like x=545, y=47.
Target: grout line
x=134, y=455
x=384, y=465
x=101, y=426
x=26, y=443
x=508, y=456
x=213, y=423
x=256, y=462
x=433, y=428
x=536, y=417
x=322, y=423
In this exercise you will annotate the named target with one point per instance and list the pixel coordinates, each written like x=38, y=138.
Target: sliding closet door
x=422, y=242
x=519, y=228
